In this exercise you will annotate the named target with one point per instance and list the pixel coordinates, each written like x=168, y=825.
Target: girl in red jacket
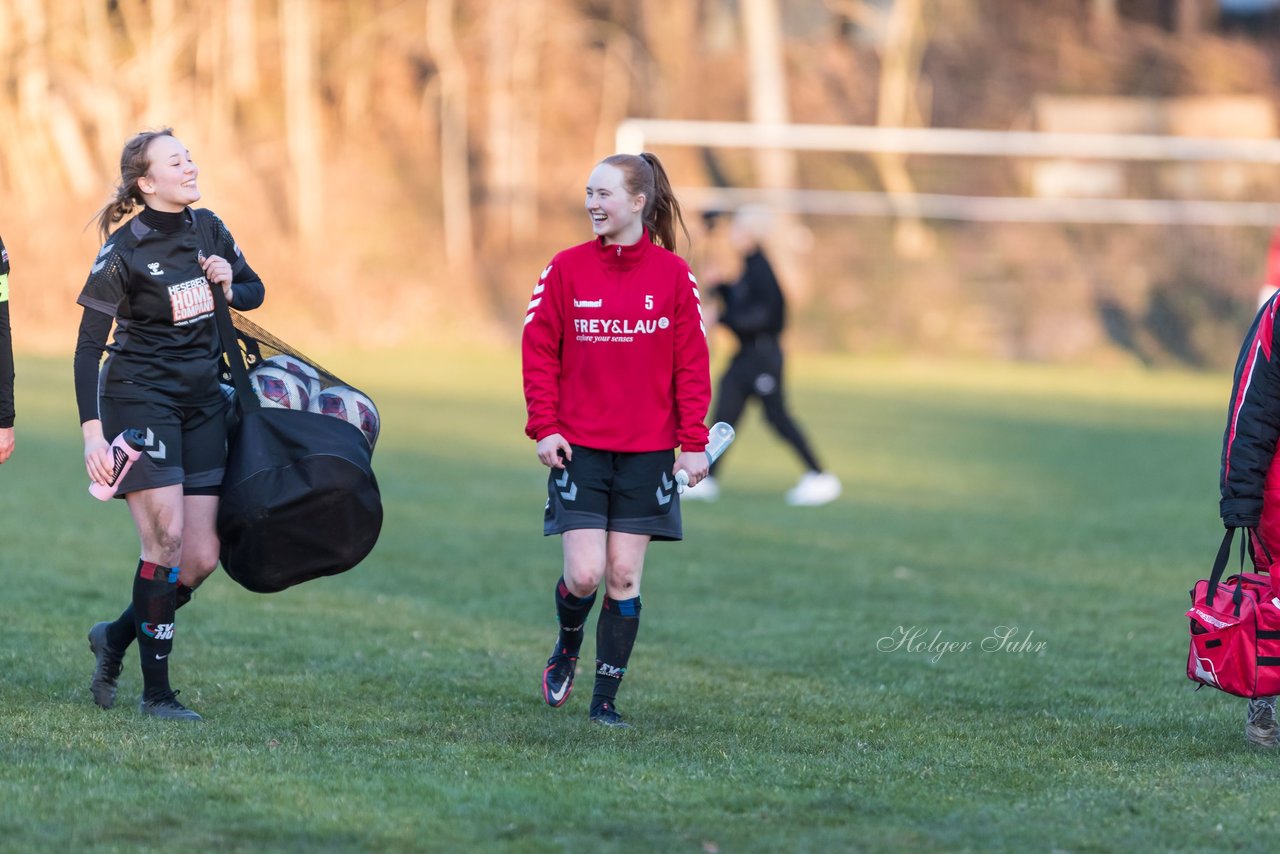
x=616, y=376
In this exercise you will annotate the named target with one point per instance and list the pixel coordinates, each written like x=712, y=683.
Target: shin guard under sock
x=572, y=612
x=154, y=602
x=122, y=632
x=615, y=635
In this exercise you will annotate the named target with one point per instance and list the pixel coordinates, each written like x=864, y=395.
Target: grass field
x=397, y=708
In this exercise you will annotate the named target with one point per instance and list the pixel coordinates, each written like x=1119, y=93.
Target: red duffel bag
x=1235, y=629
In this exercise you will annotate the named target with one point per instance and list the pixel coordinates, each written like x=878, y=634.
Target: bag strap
x=1220, y=565
x=222, y=313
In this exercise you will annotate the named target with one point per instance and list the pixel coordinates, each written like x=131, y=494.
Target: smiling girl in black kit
x=152, y=279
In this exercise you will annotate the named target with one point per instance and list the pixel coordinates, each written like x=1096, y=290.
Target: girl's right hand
x=97, y=453
x=550, y=448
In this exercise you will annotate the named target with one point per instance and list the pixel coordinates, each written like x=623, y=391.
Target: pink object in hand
x=125, y=448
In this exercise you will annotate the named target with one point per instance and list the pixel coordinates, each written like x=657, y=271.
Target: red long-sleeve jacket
x=615, y=350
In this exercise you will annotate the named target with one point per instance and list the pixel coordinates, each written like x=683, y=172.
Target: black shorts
x=628, y=493
x=186, y=445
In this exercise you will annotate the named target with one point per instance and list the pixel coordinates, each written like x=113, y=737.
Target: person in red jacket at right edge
x=616, y=375
x=1250, y=472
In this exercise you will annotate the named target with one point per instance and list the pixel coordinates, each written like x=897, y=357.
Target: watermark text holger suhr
x=1006, y=639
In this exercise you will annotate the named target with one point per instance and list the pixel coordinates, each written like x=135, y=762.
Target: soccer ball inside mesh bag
x=351, y=406
x=280, y=389
x=309, y=376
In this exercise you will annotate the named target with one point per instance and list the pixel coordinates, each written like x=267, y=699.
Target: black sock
x=615, y=635
x=572, y=612
x=122, y=632
x=154, y=602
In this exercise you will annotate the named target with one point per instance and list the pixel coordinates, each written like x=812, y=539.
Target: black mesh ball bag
x=299, y=498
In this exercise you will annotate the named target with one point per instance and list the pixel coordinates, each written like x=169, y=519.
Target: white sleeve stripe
x=528, y=318
x=692, y=278
x=539, y=288
x=696, y=295
x=534, y=304
x=703, y=328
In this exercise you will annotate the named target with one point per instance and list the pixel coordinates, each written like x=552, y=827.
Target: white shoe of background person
x=814, y=489
x=706, y=490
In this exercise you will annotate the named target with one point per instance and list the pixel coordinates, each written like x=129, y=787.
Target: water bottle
x=719, y=437
x=125, y=448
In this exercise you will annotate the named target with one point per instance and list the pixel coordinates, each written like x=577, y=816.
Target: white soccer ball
x=300, y=369
x=351, y=406
x=280, y=389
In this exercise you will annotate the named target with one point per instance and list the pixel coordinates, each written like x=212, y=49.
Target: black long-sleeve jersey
x=147, y=277
x=6, y=344
x=753, y=305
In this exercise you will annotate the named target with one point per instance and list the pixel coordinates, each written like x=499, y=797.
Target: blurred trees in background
x=401, y=170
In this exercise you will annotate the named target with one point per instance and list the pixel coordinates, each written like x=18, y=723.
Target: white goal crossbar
x=634, y=135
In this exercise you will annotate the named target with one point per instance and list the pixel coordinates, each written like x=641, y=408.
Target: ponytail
x=643, y=174
x=134, y=164
x=115, y=210
x=665, y=208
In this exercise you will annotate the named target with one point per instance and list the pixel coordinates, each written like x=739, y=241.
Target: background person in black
x=152, y=278
x=754, y=309
x=6, y=361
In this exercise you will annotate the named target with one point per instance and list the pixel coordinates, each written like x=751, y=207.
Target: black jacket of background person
x=753, y=305
x=1250, y=475
x=6, y=344
x=149, y=280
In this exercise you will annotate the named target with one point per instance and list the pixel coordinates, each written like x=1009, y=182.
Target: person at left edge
x=153, y=279
x=6, y=361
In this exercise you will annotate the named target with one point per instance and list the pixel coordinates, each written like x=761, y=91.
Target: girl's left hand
x=218, y=271
x=693, y=462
